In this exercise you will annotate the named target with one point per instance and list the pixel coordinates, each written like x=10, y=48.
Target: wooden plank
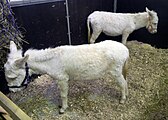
x=6, y=117
x=2, y=111
x=15, y=112
x=4, y=114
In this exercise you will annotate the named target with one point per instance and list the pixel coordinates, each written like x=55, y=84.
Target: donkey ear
x=13, y=47
x=147, y=10
x=20, y=62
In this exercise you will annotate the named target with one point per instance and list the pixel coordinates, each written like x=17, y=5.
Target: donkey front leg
x=63, y=86
x=124, y=37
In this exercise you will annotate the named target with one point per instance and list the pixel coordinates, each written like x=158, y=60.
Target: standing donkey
x=64, y=63
x=114, y=24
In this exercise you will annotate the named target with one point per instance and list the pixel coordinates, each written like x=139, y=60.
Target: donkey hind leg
x=123, y=85
x=124, y=88
x=63, y=86
x=95, y=35
x=124, y=73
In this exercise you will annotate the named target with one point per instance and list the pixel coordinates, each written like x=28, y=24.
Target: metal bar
x=115, y=6
x=14, y=111
x=17, y=3
x=68, y=24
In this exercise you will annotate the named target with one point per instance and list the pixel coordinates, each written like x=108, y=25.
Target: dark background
x=46, y=26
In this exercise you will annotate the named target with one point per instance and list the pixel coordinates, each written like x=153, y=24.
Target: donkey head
x=152, y=21
x=15, y=68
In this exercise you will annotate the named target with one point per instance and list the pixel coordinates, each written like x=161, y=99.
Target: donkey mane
x=43, y=54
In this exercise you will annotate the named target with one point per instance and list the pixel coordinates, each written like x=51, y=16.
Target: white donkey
x=82, y=62
x=114, y=24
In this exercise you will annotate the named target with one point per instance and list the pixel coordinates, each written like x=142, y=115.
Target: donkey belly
x=112, y=31
x=87, y=74
x=113, y=28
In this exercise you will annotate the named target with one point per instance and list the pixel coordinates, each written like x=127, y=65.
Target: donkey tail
x=88, y=26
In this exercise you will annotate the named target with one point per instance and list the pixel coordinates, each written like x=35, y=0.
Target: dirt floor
x=99, y=99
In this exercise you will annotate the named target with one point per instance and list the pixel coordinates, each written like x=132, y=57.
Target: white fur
x=114, y=24
x=82, y=62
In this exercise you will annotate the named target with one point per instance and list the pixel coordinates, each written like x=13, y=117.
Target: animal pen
x=40, y=24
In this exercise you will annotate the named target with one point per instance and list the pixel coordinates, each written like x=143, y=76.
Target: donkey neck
x=39, y=59
x=141, y=20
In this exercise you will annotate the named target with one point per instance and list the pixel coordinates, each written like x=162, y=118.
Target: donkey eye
x=154, y=23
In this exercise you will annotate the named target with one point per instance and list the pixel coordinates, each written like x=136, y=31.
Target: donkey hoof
x=61, y=111
x=122, y=101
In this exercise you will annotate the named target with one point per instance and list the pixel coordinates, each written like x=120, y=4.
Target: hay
x=8, y=27
x=99, y=99
x=8, y=30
